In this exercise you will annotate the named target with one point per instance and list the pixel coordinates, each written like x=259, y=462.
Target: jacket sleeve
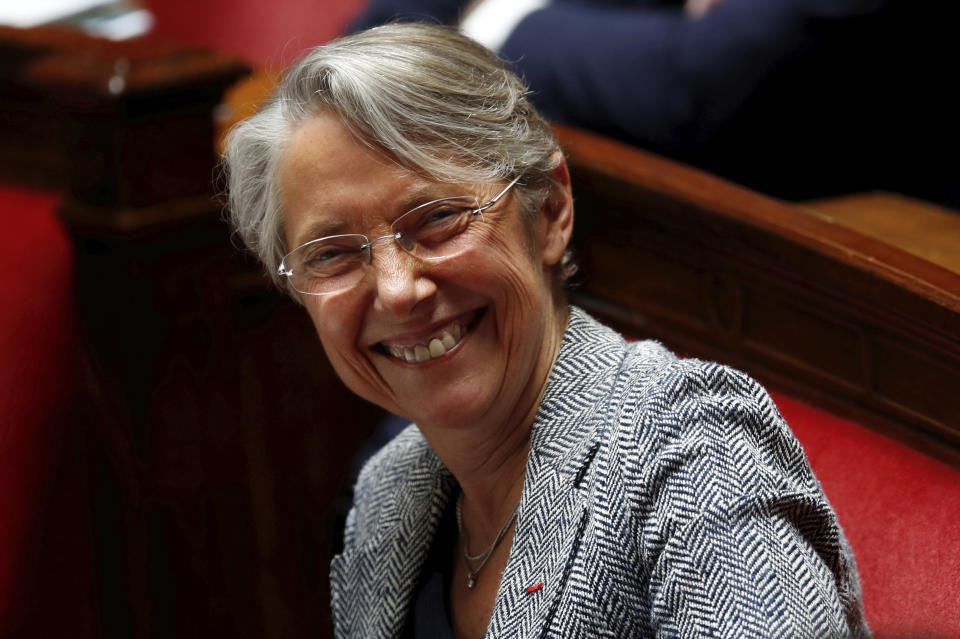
x=739, y=537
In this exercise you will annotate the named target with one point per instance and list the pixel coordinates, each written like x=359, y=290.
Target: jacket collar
x=372, y=584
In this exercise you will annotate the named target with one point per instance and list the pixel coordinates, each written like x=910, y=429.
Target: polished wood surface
x=242, y=100
x=829, y=314
x=118, y=125
x=926, y=230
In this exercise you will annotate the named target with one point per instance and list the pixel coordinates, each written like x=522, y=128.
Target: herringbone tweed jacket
x=662, y=498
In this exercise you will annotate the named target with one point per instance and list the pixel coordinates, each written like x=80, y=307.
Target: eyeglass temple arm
x=498, y=195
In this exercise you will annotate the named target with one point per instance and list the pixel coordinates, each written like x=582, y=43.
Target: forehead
x=330, y=182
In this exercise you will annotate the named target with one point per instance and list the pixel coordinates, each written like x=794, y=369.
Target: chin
x=456, y=412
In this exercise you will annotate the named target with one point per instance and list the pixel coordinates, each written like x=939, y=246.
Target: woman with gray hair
x=558, y=481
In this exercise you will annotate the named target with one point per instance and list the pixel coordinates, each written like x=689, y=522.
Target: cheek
x=514, y=268
x=507, y=274
x=337, y=325
x=352, y=365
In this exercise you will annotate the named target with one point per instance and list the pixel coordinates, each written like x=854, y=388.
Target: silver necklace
x=485, y=555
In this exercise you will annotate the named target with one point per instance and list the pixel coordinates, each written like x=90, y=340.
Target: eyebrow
x=320, y=229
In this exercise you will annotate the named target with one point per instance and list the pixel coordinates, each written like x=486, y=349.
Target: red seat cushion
x=901, y=512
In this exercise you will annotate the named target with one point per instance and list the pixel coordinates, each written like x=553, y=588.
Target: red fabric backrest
x=901, y=513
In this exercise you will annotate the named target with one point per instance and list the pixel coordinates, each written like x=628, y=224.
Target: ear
x=556, y=219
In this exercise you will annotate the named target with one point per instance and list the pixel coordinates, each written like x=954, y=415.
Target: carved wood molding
x=120, y=126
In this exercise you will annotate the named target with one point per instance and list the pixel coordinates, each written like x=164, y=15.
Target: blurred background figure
x=798, y=99
x=263, y=34
x=794, y=98
x=111, y=19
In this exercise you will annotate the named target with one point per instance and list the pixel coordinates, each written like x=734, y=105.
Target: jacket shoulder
x=711, y=416
x=400, y=462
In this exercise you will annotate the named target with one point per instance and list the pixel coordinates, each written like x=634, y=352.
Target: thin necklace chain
x=483, y=557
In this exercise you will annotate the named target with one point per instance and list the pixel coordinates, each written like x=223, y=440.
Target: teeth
x=449, y=341
x=435, y=348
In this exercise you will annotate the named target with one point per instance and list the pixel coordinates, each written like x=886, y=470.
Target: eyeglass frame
x=367, y=246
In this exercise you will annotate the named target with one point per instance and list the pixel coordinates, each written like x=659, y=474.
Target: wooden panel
x=781, y=329
x=917, y=381
x=714, y=270
x=118, y=124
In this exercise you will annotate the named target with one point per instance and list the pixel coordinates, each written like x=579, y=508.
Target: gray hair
x=430, y=99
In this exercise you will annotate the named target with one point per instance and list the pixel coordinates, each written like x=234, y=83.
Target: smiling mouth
x=435, y=347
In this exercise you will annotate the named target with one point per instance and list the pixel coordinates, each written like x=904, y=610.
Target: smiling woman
x=557, y=481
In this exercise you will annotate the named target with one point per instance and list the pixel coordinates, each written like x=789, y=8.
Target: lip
x=469, y=320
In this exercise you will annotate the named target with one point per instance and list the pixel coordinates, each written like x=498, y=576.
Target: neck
x=490, y=468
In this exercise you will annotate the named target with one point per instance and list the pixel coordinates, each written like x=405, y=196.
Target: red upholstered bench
x=46, y=587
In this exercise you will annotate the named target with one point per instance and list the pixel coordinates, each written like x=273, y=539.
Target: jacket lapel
x=554, y=510
x=373, y=585
x=550, y=525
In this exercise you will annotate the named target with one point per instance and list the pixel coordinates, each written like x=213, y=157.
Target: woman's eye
x=439, y=216
x=325, y=255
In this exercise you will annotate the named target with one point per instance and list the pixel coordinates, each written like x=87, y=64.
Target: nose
x=401, y=283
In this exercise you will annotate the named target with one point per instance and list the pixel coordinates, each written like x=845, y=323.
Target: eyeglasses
x=432, y=231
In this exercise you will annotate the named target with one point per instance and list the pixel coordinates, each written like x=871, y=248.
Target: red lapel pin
x=535, y=588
